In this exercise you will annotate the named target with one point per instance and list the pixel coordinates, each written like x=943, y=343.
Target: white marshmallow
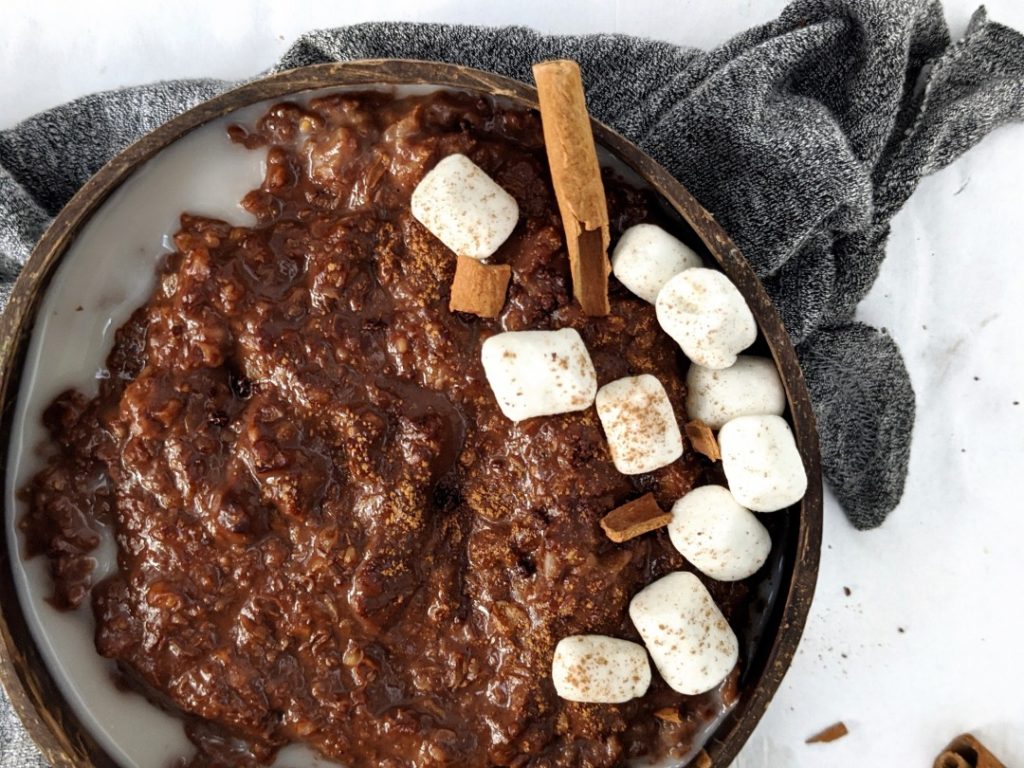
x=464, y=208
x=707, y=316
x=646, y=257
x=599, y=670
x=762, y=463
x=749, y=387
x=539, y=373
x=719, y=537
x=689, y=640
x=639, y=423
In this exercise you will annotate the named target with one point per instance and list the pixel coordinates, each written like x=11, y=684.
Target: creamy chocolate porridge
x=327, y=530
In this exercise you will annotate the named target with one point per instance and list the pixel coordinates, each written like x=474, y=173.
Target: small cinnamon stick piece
x=965, y=751
x=832, y=733
x=703, y=760
x=702, y=438
x=668, y=715
x=576, y=176
x=635, y=518
x=479, y=288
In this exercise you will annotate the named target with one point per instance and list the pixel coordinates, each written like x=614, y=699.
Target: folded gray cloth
x=803, y=137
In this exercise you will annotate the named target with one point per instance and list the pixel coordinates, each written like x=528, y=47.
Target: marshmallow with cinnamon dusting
x=640, y=425
x=762, y=463
x=749, y=387
x=464, y=208
x=646, y=257
x=596, y=669
x=721, y=538
x=689, y=640
x=706, y=315
x=539, y=373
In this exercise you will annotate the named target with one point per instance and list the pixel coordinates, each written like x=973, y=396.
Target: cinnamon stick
x=576, y=176
x=479, y=288
x=702, y=438
x=965, y=751
x=634, y=519
x=703, y=760
x=830, y=734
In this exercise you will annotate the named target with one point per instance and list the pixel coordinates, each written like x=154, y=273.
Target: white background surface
x=946, y=569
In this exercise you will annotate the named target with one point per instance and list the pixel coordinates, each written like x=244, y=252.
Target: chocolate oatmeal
x=327, y=531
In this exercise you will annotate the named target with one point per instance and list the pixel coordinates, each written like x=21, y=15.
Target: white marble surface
x=946, y=568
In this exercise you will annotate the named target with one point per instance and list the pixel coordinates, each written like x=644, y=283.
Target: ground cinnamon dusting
x=576, y=176
x=634, y=519
x=479, y=288
x=702, y=438
x=832, y=733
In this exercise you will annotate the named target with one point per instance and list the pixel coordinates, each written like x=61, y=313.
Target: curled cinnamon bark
x=634, y=519
x=702, y=438
x=479, y=288
x=576, y=176
x=965, y=751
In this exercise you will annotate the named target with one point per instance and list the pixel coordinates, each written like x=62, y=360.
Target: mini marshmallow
x=639, y=423
x=749, y=387
x=596, y=669
x=689, y=640
x=707, y=316
x=646, y=257
x=719, y=537
x=762, y=463
x=464, y=208
x=539, y=373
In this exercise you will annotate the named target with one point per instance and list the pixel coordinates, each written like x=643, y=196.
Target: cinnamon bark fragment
x=703, y=760
x=635, y=518
x=479, y=288
x=668, y=715
x=702, y=438
x=576, y=176
x=965, y=751
x=832, y=733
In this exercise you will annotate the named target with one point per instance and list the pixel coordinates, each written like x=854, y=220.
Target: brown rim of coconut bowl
x=32, y=689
